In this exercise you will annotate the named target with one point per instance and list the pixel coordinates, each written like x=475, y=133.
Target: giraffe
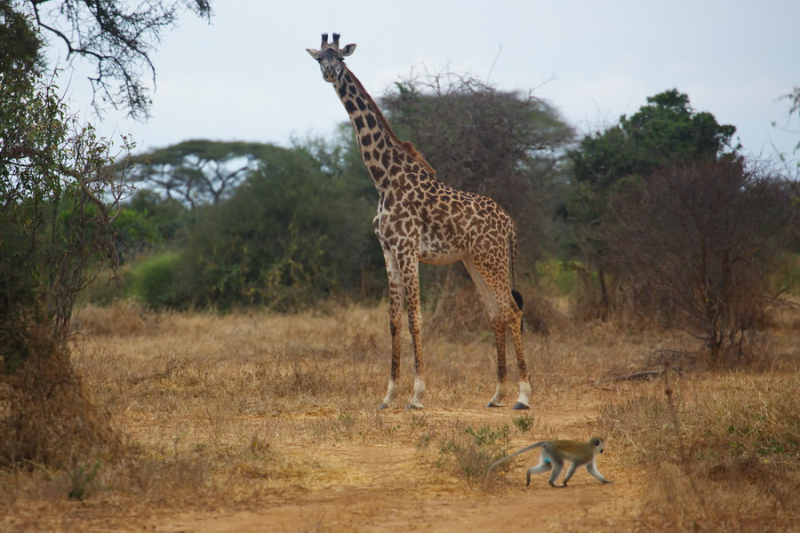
x=420, y=219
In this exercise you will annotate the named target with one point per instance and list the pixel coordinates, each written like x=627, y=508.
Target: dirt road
x=386, y=488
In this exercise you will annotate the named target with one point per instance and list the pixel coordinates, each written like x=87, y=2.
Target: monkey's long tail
x=507, y=457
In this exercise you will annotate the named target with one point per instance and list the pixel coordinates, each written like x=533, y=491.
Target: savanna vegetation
x=200, y=329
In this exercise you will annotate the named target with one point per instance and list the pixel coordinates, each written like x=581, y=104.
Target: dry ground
x=258, y=422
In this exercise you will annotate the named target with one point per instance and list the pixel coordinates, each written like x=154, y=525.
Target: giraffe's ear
x=348, y=49
x=312, y=52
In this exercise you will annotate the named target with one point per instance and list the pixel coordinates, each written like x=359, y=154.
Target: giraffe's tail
x=512, y=248
x=517, y=298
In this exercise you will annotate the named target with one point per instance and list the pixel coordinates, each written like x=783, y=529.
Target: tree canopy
x=663, y=133
x=197, y=171
x=119, y=39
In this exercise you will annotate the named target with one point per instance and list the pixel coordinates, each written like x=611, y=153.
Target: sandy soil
x=385, y=488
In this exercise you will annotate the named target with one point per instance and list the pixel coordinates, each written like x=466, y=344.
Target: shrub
x=156, y=281
x=697, y=244
x=469, y=452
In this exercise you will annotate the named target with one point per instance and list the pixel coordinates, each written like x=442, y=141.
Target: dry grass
x=722, y=451
x=236, y=410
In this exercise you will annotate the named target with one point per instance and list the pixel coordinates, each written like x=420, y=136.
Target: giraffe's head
x=330, y=57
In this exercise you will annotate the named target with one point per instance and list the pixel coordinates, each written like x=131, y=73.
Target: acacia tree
x=196, y=171
x=58, y=199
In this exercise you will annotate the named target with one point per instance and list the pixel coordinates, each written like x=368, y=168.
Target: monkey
x=555, y=452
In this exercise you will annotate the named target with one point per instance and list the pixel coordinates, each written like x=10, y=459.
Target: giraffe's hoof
x=383, y=406
x=520, y=406
x=492, y=404
x=414, y=407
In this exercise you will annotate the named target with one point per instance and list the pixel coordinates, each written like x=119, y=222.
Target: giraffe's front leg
x=395, y=318
x=410, y=272
x=394, y=376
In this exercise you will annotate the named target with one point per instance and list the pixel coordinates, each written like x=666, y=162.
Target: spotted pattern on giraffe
x=421, y=219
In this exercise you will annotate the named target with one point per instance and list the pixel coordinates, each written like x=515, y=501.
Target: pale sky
x=248, y=77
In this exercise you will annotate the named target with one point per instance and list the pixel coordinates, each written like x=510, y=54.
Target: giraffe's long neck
x=384, y=154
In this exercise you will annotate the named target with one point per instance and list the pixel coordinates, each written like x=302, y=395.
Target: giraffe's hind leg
x=491, y=279
x=489, y=300
x=515, y=325
x=502, y=368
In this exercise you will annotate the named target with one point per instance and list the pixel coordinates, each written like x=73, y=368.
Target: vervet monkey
x=555, y=452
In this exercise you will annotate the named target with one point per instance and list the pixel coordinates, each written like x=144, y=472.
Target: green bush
x=468, y=452
x=288, y=236
x=557, y=278
x=155, y=282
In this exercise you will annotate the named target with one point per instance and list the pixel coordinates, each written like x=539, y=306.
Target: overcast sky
x=247, y=76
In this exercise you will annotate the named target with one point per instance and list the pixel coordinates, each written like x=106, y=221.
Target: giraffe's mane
x=405, y=146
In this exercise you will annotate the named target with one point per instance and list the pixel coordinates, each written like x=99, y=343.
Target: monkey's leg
x=572, y=468
x=592, y=469
x=541, y=468
x=557, y=468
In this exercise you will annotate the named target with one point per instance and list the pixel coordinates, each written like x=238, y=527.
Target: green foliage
x=523, y=422
x=469, y=452
x=58, y=198
x=664, y=133
x=786, y=274
x=19, y=45
x=289, y=235
x=82, y=480
x=557, y=277
x=168, y=215
x=134, y=232
x=156, y=281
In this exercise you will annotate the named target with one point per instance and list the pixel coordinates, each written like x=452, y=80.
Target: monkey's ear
x=348, y=49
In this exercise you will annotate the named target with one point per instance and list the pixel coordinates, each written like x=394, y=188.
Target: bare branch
x=118, y=40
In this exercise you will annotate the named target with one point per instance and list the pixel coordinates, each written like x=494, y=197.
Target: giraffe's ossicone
x=420, y=219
